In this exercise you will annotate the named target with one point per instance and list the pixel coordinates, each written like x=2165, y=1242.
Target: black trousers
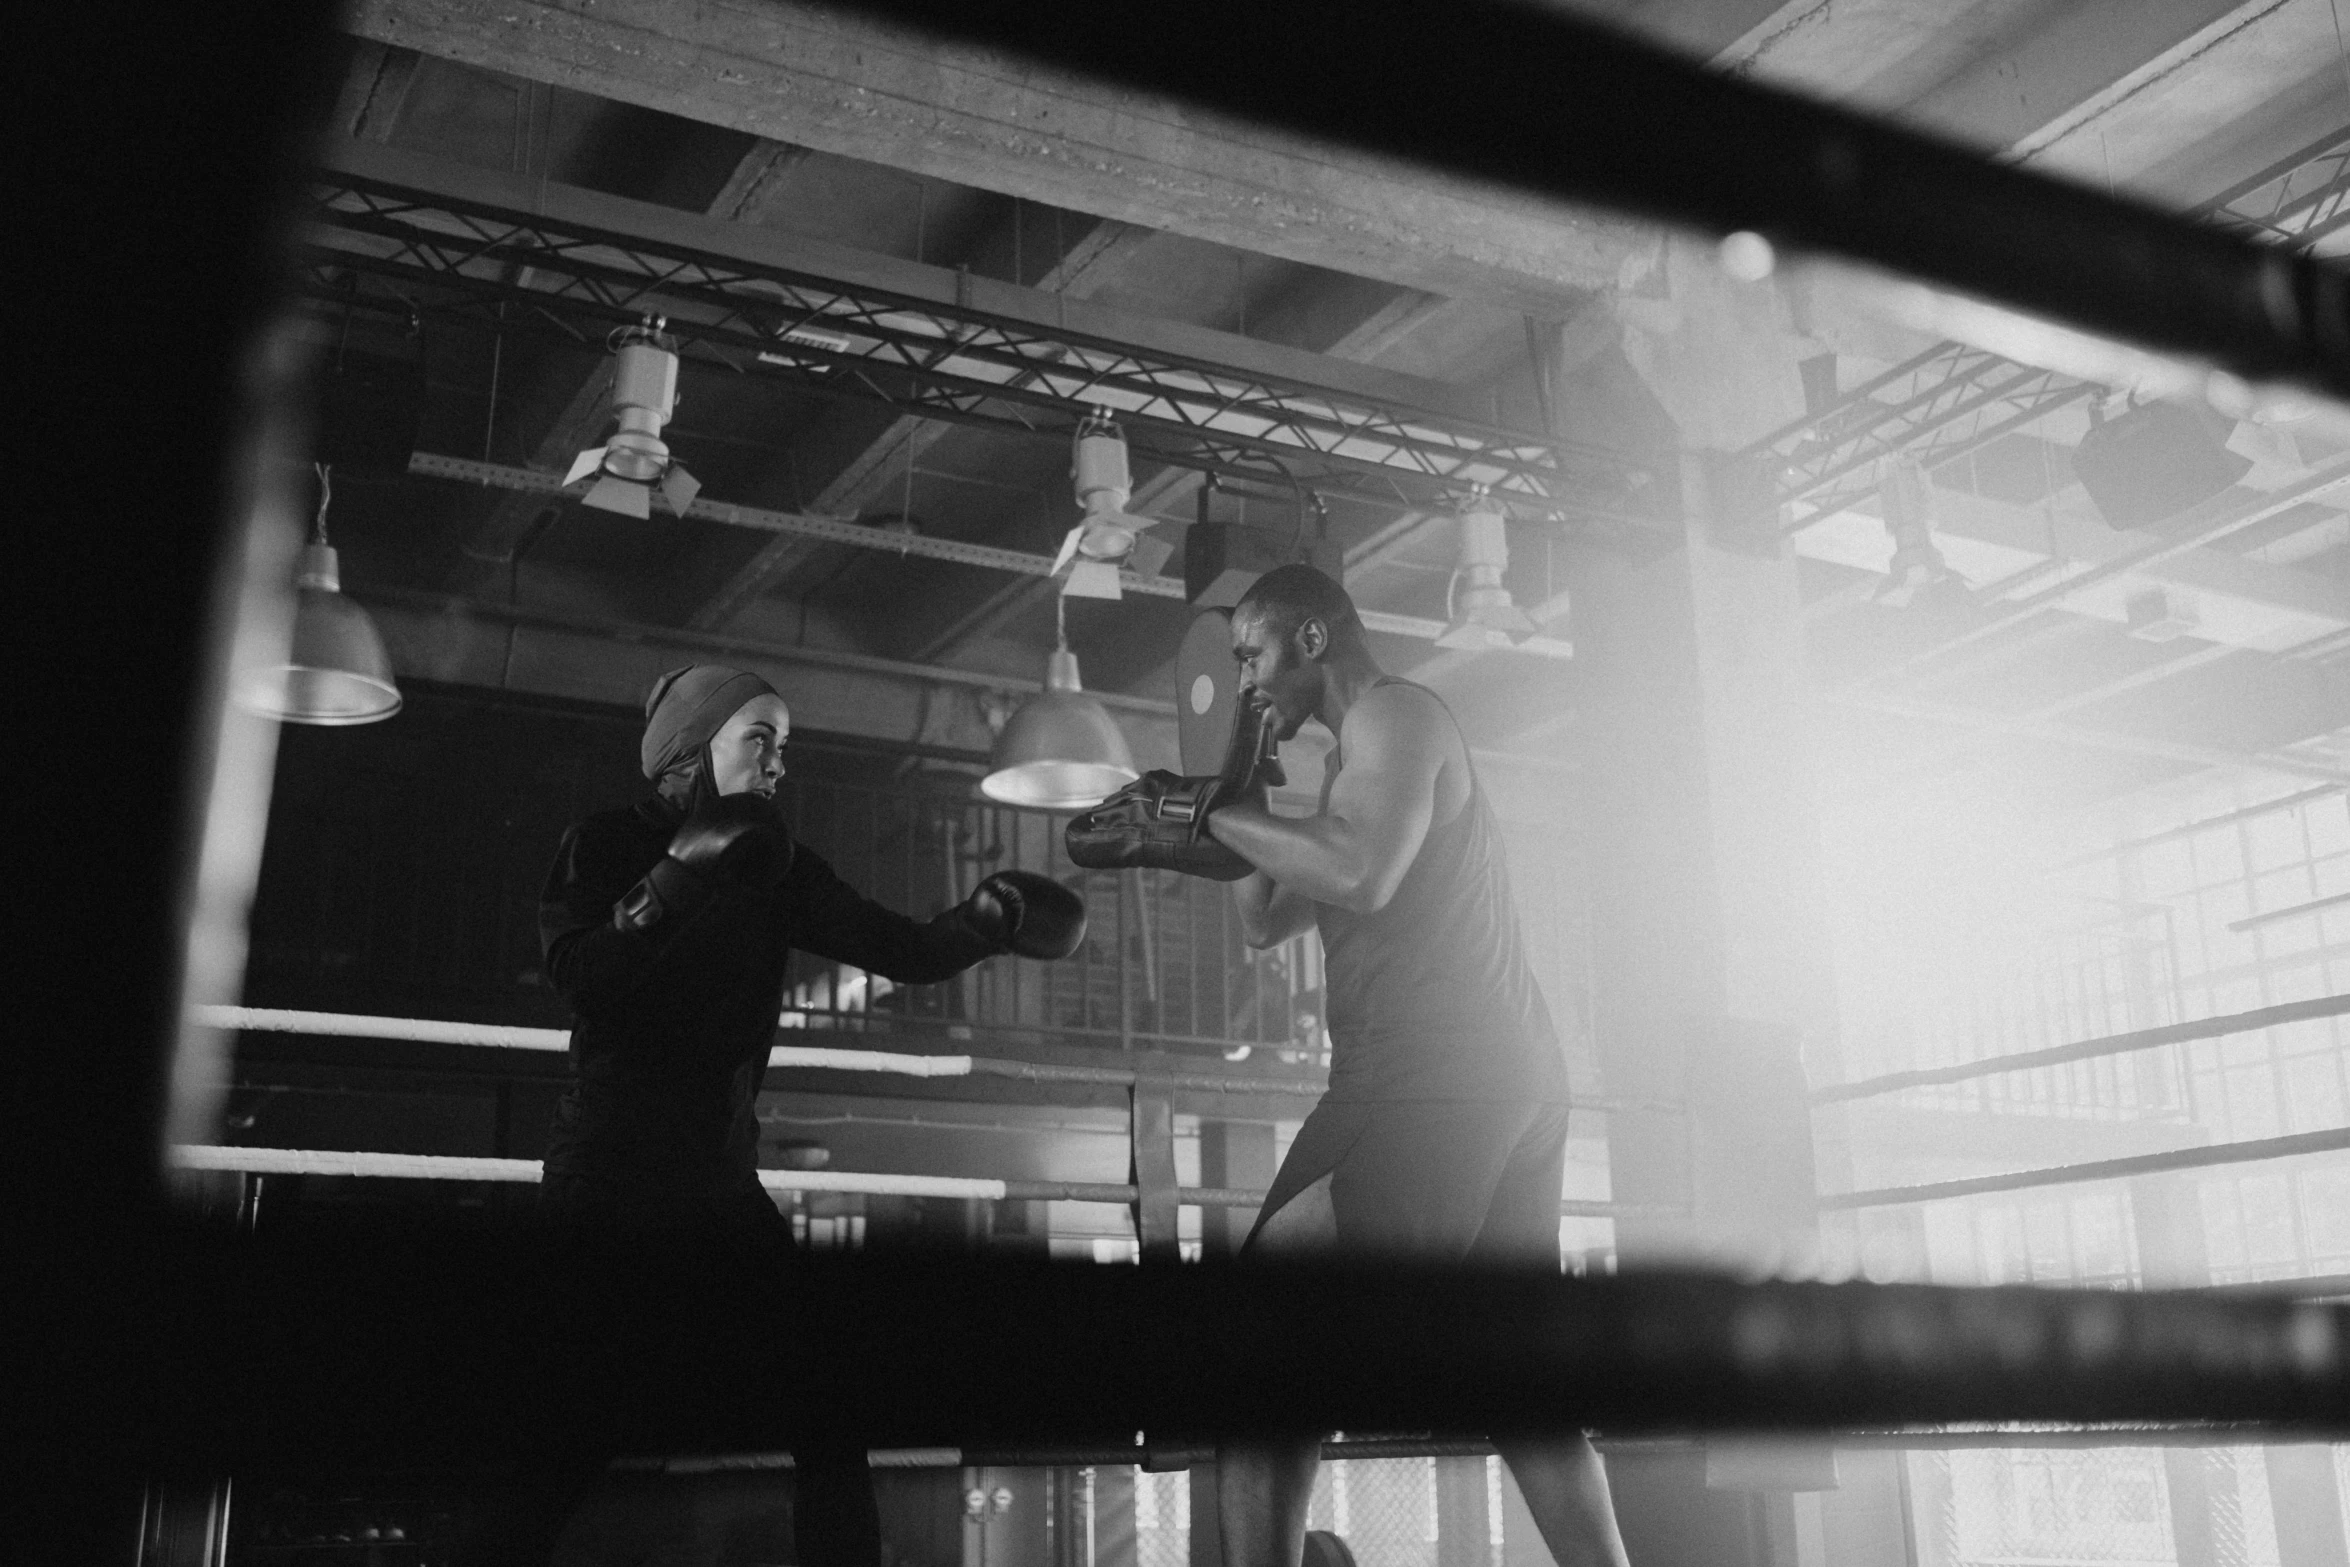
x=835, y=1522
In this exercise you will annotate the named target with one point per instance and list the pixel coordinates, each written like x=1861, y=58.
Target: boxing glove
x=1022, y=912
x=1160, y=820
x=725, y=840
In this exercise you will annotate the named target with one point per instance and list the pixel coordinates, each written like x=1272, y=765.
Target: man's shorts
x=1436, y=1181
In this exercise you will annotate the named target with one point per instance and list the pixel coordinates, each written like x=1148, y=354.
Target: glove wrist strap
x=670, y=887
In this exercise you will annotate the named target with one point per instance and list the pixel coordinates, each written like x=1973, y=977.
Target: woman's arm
x=833, y=920
x=591, y=962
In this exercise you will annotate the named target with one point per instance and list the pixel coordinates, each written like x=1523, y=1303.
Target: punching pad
x=1207, y=685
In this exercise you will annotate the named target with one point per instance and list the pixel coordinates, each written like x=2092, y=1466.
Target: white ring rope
x=501, y=1036
x=448, y=1167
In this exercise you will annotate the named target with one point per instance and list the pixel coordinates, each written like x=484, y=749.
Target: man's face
x=746, y=753
x=1279, y=667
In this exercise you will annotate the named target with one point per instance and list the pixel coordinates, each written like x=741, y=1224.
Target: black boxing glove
x=729, y=840
x=1020, y=911
x=1160, y=820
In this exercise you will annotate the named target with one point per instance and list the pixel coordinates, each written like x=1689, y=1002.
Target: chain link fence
x=2105, y=1507
x=1391, y=1512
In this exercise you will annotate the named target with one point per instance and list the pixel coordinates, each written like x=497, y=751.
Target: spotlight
x=2148, y=463
x=1917, y=572
x=1482, y=615
x=1107, y=536
x=634, y=463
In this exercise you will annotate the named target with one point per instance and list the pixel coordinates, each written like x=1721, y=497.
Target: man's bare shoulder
x=1398, y=712
x=1397, y=725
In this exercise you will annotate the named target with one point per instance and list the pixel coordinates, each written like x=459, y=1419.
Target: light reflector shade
x=1061, y=751
x=336, y=671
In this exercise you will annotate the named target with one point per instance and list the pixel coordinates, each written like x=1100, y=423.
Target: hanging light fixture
x=1107, y=537
x=336, y=670
x=1481, y=614
x=634, y=464
x=1060, y=751
x=1916, y=573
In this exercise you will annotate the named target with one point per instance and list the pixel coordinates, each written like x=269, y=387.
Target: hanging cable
x=489, y=427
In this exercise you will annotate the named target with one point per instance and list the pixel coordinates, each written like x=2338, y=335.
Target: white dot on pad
x=1203, y=693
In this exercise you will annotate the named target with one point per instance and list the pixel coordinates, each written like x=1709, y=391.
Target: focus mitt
x=1159, y=821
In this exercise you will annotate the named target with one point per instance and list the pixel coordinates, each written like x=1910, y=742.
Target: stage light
x=634, y=464
x=1482, y=616
x=1917, y=573
x=2148, y=463
x=1107, y=537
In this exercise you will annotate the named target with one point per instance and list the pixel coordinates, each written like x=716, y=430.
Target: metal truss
x=2300, y=202
x=1953, y=399
x=1944, y=403
x=373, y=245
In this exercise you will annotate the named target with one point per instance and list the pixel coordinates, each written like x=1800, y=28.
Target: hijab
x=685, y=709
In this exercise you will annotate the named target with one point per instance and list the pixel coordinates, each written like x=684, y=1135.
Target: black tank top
x=1430, y=997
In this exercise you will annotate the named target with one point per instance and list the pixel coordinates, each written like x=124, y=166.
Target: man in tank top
x=1443, y=1134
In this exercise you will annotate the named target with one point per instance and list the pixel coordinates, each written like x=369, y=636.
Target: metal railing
x=1162, y=967
x=2028, y=1009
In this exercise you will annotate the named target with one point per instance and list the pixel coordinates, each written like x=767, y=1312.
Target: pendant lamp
x=336, y=670
x=1060, y=751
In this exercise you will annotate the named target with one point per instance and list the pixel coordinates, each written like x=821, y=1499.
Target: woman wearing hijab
x=667, y=925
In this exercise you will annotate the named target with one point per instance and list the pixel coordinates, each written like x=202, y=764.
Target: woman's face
x=746, y=754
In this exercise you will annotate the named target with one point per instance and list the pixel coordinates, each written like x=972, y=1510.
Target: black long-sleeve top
x=673, y=1024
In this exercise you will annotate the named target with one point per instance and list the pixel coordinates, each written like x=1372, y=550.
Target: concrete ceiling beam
x=1982, y=78
x=850, y=86
x=2241, y=58
x=2237, y=600
x=374, y=92
x=2108, y=91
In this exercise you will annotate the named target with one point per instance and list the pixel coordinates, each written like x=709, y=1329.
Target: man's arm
x=1355, y=852
x=1269, y=913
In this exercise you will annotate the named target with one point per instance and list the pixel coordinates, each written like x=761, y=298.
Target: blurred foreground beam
x=378, y=1343
x=1577, y=113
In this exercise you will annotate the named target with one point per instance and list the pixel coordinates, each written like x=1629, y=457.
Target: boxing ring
x=254, y=1351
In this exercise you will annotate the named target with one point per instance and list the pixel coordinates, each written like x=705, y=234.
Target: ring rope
x=459, y=1167
x=504, y=1036
x=2087, y=1049
x=453, y=1167
x=1945, y=1438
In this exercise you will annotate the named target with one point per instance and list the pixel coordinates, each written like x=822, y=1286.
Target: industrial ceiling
x=745, y=167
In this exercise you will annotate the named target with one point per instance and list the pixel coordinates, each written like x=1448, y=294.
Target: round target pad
x=1207, y=685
